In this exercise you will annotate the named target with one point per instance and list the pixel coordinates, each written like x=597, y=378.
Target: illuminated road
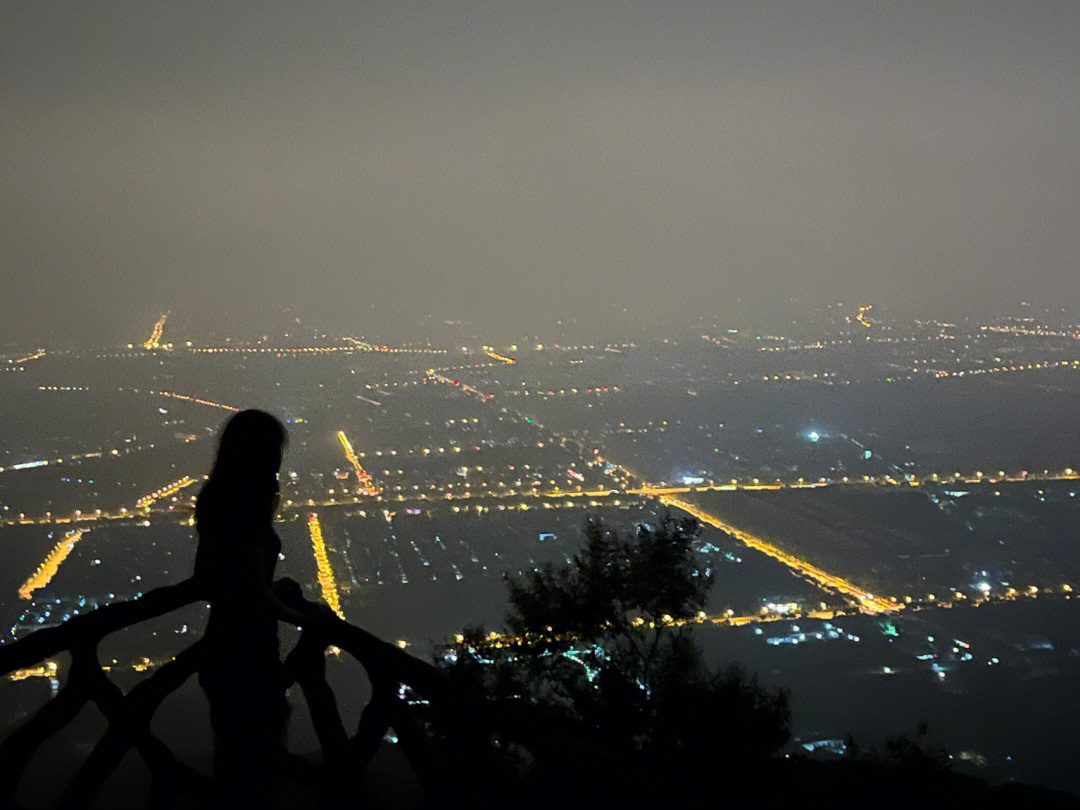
x=139, y=512
x=355, y=345
x=866, y=601
x=364, y=483
x=468, y=389
x=167, y=491
x=47, y=570
x=490, y=352
x=363, y=345
x=557, y=494
x=327, y=583
x=1068, y=474
x=154, y=342
x=45, y=462
x=196, y=400
x=183, y=397
x=35, y=356
x=728, y=618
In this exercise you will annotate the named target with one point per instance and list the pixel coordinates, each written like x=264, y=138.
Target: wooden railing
x=477, y=720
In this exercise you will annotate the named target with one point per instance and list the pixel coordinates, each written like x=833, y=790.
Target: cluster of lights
x=796, y=377
x=392, y=384
x=424, y=451
x=800, y=347
x=28, y=465
x=325, y=573
x=48, y=519
x=490, y=352
x=146, y=501
x=999, y=369
x=196, y=400
x=505, y=640
x=35, y=356
x=610, y=347
x=363, y=345
x=155, y=336
x=363, y=478
x=563, y=392
x=51, y=669
x=47, y=570
x=1040, y=331
x=462, y=367
x=46, y=669
x=281, y=351
x=915, y=338
x=459, y=384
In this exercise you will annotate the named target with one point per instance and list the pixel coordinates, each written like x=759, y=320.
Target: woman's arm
x=284, y=597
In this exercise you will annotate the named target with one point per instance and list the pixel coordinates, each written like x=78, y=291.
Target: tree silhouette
x=604, y=643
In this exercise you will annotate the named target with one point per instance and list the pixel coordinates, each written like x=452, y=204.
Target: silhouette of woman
x=234, y=564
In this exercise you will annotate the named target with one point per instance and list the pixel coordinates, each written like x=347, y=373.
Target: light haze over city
x=375, y=167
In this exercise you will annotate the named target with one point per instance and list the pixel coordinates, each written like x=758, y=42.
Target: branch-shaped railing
x=345, y=757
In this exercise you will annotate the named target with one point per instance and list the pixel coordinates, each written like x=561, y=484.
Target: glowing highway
x=167, y=491
x=327, y=583
x=154, y=341
x=490, y=352
x=48, y=568
x=364, y=483
x=866, y=601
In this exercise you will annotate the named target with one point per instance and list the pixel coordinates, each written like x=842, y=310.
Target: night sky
x=377, y=167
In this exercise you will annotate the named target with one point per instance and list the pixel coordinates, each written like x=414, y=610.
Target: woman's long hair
x=243, y=481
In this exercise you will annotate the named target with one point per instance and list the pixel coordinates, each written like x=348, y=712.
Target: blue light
x=814, y=435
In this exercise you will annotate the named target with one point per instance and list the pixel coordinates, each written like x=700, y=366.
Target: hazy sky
x=620, y=163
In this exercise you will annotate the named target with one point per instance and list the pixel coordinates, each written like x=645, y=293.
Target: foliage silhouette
x=604, y=644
